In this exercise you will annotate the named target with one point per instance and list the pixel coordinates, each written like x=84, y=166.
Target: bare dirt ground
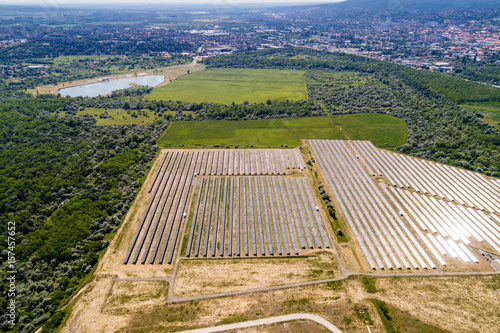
x=170, y=73
x=465, y=304
x=202, y=277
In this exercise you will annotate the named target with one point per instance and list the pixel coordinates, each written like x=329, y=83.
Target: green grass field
x=378, y=128
x=227, y=85
x=490, y=112
x=118, y=116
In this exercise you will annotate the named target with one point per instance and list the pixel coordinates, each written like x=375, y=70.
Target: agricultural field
x=382, y=130
x=228, y=85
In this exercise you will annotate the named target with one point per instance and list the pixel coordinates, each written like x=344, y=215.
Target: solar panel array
x=232, y=162
x=262, y=221
x=450, y=207
x=232, y=215
x=384, y=238
x=439, y=209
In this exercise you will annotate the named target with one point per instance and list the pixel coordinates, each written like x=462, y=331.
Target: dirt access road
x=266, y=321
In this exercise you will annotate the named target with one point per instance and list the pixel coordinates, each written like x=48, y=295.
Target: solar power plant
x=201, y=193
x=251, y=217
x=409, y=213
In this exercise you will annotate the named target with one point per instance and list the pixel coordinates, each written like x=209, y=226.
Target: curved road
x=271, y=320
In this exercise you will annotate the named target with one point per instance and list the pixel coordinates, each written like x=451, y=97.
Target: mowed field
x=227, y=85
x=382, y=130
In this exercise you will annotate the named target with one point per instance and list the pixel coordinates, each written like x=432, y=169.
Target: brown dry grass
x=204, y=277
x=467, y=304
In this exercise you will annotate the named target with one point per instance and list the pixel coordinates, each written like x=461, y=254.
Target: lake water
x=107, y=87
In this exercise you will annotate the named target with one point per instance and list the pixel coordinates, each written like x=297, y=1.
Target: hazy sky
x=165, y=2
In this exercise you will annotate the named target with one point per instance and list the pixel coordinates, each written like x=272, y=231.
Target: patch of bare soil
x=202, y=277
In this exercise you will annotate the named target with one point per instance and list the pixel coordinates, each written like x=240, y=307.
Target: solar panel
x=223, y=220
x=176, y=174
x=307, y=209
x=325, y=165
x=290, y=158
x=293, y=209
x=366, y=233
x=238, y=215
x=259, y=220
x=230, y=220
x=259, y=165
x=266, y=215
x=158, y=172
x=172, y=220
x=316, y=216
x=195, y=216
x=127, y=258
x=254, y=171
x=221, y=171
x=216, y=163
x=245, y=223
x=202, y=216
x=277, y=163
x=162, y=230
x=237, y=155
x=247, y=163
x=216, y=219
x=252, y=220
x=201, y=162
x=212, y=153
x=287, y=215
x=181, y=216
x=301, y=213
x=209, y=218
x=264, y=161
x=273, y=216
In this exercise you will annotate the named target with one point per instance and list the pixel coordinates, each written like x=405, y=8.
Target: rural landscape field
x=245, y=167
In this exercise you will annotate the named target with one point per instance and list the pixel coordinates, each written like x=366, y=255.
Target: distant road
x=271, y=320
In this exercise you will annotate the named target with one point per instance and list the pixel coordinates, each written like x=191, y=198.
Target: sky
x=163, y=2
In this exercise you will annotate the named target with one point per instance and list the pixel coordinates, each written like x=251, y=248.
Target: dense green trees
x=66, y=183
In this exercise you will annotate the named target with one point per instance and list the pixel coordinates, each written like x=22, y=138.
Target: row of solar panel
x=383, y=236
x=442, y=181
x=249, y=162
x=256, y=212
x=171, y=183
x=163, y=216
x=442, y=219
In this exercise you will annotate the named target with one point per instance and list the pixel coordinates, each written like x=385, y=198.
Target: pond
x=107, y=87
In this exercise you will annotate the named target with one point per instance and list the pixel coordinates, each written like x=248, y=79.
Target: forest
x=66, y=184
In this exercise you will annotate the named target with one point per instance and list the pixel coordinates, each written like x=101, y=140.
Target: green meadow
x=228, y=85
x=382, y=130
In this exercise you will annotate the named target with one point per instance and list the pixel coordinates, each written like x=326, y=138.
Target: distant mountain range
x=425, y=5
